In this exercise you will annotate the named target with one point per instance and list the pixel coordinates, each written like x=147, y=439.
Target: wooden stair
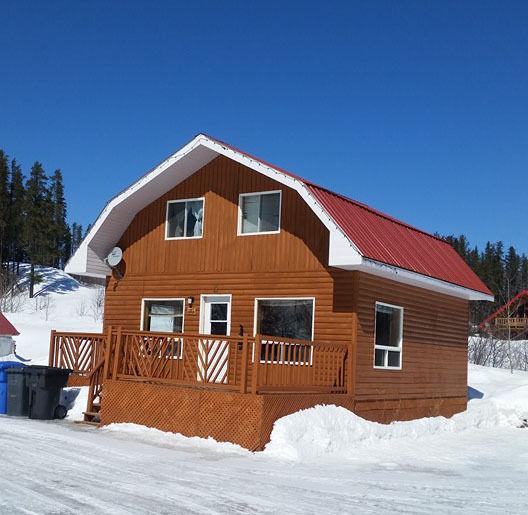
x=93, y=416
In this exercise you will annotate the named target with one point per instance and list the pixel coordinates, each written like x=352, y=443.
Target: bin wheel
x=60, y=412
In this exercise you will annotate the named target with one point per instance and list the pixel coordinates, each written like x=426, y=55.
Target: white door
x=213, y=353
x=216, y=314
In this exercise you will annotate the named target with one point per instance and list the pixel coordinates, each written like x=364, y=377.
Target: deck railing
x=512, y=322
x=78, y=352
x=259, y=364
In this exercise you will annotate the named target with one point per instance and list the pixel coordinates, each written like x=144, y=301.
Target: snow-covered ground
x=319, y=461
x=322, y=460
x=64, y=304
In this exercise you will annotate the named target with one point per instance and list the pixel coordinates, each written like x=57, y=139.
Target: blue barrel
x=4, y=365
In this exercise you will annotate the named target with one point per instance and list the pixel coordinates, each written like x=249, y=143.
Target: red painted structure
x=6, y=327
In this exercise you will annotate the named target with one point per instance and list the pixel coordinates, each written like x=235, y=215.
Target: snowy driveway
x=58, y=467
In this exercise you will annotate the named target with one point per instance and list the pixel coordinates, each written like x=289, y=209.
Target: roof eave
x=401, y=275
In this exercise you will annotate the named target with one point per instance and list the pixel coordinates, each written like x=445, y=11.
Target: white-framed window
x=281, y=320
x=162, y=315
x=259, y=213
x=184, y=219
x=388, y=336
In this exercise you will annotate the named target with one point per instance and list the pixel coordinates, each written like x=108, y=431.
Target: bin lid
x=4, y=365
x=45, y=370
x=10, y=364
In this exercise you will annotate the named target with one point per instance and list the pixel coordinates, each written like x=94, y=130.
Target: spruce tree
x=16, y=217
x=36, y=226
x=4, y=205
x=60, y=230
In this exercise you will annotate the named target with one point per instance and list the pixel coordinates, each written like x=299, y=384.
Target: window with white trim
x=163, y=316
x=259, y=213
x=388, y=336
x=184, y=219
x=283, y=320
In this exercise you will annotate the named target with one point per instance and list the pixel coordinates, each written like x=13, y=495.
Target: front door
x=213, y=353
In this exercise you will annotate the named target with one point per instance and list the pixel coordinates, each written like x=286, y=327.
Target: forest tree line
x=33, y=220
x=504, y=271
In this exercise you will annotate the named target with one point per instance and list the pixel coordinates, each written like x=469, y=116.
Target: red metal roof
x=385, y=239
x=6, y=328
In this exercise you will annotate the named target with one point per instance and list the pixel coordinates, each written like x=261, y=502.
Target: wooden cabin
x=240, y=293
x=510, y=321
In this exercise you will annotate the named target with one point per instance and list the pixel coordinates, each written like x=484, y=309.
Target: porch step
x=92, y=416
x=87, y=423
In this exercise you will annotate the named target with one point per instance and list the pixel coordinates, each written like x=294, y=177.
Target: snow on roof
x=6, y=327
x=361, y=238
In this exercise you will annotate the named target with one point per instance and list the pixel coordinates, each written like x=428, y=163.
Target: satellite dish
x=114, y=258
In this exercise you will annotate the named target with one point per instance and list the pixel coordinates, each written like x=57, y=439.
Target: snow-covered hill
x=61, y=303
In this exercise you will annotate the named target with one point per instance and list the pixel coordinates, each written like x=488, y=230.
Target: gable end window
x=184, y=219
x=259, y=213
x=388, y=336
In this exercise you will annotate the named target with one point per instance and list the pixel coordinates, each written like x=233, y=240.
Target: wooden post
x=243, y=374
x=107, y=352
x=51, y=358
x=256, y=363
x=117, y=353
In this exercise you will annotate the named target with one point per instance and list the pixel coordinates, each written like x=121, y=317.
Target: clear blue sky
x=419, y=109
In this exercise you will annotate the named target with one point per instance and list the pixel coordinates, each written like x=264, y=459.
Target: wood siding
x=293, y=264
x=434, y=350
x=288, y=264
x=301, y=245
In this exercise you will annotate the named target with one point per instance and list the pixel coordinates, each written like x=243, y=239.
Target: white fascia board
x=370, y=266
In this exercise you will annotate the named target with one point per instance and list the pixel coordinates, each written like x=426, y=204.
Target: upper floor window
x=259, y=213
x=184, y=218
x=388, y=336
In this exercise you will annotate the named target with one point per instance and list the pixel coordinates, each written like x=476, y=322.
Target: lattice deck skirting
x=244, y=419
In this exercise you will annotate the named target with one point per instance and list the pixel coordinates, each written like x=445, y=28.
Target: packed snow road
x=59, y=467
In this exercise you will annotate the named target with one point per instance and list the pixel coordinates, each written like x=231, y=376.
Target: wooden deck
x=253, y=365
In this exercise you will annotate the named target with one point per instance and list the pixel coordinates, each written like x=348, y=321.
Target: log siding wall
x=293, y=264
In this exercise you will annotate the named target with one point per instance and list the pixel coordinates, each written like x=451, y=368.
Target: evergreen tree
x=16, y=215
x=60, y=230
x=76, y=236
x=36, y=226
x=4, y=204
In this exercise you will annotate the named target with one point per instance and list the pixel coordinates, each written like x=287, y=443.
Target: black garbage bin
x=17, y=392
x=45, y=385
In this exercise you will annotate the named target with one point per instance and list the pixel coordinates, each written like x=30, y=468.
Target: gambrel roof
x=361, y=238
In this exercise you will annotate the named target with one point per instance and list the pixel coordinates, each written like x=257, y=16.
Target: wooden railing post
x=256, y=363
x=107, y=352
x=51, y=360
x=243, y=374
x=117, y=353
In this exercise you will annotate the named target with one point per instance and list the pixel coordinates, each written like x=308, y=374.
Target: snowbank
x=500, y=400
